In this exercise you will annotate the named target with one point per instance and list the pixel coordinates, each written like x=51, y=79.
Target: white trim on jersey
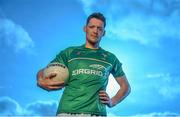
x=90, y=59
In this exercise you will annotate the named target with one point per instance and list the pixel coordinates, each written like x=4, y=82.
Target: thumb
x=52, y=75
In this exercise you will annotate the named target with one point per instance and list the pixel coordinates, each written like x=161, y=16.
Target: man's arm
x=120, y=95
x=47, y=83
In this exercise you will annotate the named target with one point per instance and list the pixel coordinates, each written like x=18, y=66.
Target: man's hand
x=47, y=83
x=123, y=91
x=105, y=98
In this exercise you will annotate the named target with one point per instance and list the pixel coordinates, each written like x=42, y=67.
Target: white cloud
x=153, y=114
x=138, y=28
x=42, y=108
x=159, y=114
x=5, y=87
x=14, y=36
x=11, y=107
x=156, y=75
x=47, y=108
x=87, y=5
x=112, y=115
x=166, y=84
x=147, y=22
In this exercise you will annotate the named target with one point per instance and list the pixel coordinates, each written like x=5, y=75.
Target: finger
x=104, y=102
x=102, y=91
x=104, y=98
x=40, y=75
x=40, y=78
x=55, y=87
x=102, y=94
x=50, y=81
x=52, y=75
x=49, y=84
x=43, y=86
x=49, y=87
x=56, y=83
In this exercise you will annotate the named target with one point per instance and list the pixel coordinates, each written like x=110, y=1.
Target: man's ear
x=104, y=33
x=84, y=28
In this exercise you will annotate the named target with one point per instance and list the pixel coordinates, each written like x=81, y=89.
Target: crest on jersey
x=97, y=66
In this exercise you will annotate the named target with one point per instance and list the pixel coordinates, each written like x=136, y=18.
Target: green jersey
x=89, y=70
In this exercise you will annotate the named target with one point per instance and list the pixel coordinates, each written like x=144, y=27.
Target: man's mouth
x=94, y=36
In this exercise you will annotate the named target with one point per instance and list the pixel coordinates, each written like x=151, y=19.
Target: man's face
x=94, y=30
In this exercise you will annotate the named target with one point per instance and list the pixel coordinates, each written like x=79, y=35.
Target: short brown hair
x=97, y=15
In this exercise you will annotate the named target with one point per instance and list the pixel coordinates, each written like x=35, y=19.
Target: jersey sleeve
x=117, y=70
x=61, y=57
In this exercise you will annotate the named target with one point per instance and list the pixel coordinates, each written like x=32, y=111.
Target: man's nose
x=96, y=30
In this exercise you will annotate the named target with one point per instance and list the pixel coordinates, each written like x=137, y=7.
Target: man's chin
x=94, y=42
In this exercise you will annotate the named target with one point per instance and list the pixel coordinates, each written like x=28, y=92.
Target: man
x=89, y=67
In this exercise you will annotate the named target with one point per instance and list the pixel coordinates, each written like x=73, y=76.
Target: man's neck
x=92, y=46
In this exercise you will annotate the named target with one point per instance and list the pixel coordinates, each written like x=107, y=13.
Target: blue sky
x=144, y=35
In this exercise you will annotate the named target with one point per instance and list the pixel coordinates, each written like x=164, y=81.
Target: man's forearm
x=120, y=95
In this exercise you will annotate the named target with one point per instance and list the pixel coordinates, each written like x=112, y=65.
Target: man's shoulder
x=107, y=52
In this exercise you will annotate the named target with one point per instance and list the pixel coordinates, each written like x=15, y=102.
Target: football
x=61, y=71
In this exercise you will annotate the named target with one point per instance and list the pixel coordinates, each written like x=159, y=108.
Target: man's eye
x=100, y=29
x=91, y=26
